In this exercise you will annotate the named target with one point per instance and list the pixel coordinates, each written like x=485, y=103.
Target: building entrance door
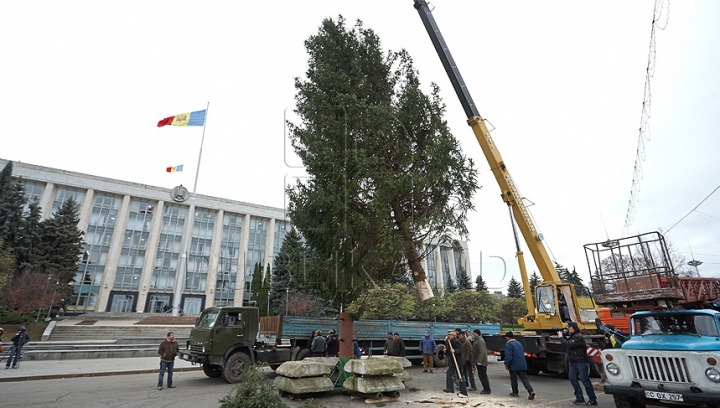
x=122, y=303
x=159, y=303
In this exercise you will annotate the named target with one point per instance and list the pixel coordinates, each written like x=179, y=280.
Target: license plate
x=663, y=396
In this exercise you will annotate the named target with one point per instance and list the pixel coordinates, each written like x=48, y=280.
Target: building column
x=86, y=210
x=439, y=274
x=116, y=244
x=150, y=255
x=269, y=245
x=211, y=279
x=240, y=277
x=48, y=196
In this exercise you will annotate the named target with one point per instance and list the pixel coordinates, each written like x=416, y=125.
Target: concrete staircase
x=108, y=335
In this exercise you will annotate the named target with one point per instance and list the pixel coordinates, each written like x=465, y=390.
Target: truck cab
x=671, y=359
x=224, y=342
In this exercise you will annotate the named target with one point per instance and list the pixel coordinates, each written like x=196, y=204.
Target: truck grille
x=666, y=369
x=195, y=349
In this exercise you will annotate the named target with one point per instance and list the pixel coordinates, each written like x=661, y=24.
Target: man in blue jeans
x=168, y=350
x=577, y=358
x=517, y=366
x=18, y=341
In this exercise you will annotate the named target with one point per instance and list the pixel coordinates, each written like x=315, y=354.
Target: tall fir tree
x=62, y=243
x=287, y=262
x=464, y=281
x=365, y=133
x=450, y=285
x=256, y=284
x=515, y=289
x=12, y=222
x=534, y=281
x=480, y=284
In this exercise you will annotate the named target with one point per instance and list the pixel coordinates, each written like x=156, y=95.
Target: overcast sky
x=84, y=83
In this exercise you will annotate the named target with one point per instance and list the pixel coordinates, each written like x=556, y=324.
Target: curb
x=95, y=374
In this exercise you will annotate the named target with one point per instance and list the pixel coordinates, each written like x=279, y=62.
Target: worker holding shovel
x=453, y=368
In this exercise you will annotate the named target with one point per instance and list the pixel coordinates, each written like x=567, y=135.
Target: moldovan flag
x=196, y=118
x=173, y=169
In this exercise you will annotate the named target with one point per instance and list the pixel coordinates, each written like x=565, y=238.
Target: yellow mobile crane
x=556, y=302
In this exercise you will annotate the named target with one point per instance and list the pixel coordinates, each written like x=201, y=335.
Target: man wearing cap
x=517, y=366
x=389, y=344
x=613, y=339
x=454, y=364
x=577, y=358
x=480, y=359
x=428, y=348
x=332, y=344
x=466, y=367
x=18, y=341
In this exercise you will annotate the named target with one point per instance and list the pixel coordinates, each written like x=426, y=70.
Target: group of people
x=394, y=345
x=328, y=346
x=467, y=354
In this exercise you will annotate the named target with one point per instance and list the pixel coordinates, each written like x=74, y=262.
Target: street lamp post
x=287, y=300
x=695, y=263
x=48, y=318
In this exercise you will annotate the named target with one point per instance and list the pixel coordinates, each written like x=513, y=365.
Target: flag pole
x=189, y=221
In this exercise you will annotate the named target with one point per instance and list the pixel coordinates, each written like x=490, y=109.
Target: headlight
x=203, y=350
x=614, y=369
x=712, y=374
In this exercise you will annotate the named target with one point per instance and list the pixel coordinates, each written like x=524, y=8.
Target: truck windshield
x=207, y=319
x=702, y=325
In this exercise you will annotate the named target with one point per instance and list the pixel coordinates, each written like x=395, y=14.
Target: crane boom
x=509, y=190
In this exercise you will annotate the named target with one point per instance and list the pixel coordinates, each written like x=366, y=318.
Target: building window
x=63, y=194
x=256, y=250
x=445, y=264
x=168, y=250
x=431, y=268
x=229, y=259
x=132, y=255
x=97, y=246
x=199, y=256
x=33, y=192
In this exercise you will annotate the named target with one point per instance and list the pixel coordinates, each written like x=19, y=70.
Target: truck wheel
x=212, y=371
x=235, y=367
x=625, y=402
x=440, y=357
x=302, y=354
x=533, y=368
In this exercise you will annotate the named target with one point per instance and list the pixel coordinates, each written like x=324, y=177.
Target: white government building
x=134, y=239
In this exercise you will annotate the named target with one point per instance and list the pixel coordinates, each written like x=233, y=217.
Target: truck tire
x=625, y=402
x=235, y=367
x=302, y=354
x=212, y=371
x=440, y=357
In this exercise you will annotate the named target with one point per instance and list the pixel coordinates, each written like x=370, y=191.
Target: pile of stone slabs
x=374, y=377
x=295, y=378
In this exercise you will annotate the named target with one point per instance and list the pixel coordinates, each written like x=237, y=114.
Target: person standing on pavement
x=577, y=357
x=455, y=349
x=480, y=359
x=467, y=362
x=398, y=346
x=18, y=341
x=389, y=344
x=428, y=348
x=1, y=333
x=168, y=350
x=332, y=344
x=317, y=348
x=357, y=352
x=517, y=366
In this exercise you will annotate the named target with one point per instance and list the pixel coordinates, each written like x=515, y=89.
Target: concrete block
x=404, y=362
x=328, y=361
x=404, y=376
x=303, y=385
x=373, y=385
x=374, y=366
x=302, y=369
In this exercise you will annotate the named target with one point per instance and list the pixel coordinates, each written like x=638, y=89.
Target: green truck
x=226, y=341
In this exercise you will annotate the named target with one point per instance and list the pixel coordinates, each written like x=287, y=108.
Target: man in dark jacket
x=18, y=341
x=517, y=366
x=168, y=350
x=389, y=345
x=398, y=346
x=454, y=363
x=318, y=345
x=332, y=344
x=480, y=359
x=467, y=361
x=577, y=358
